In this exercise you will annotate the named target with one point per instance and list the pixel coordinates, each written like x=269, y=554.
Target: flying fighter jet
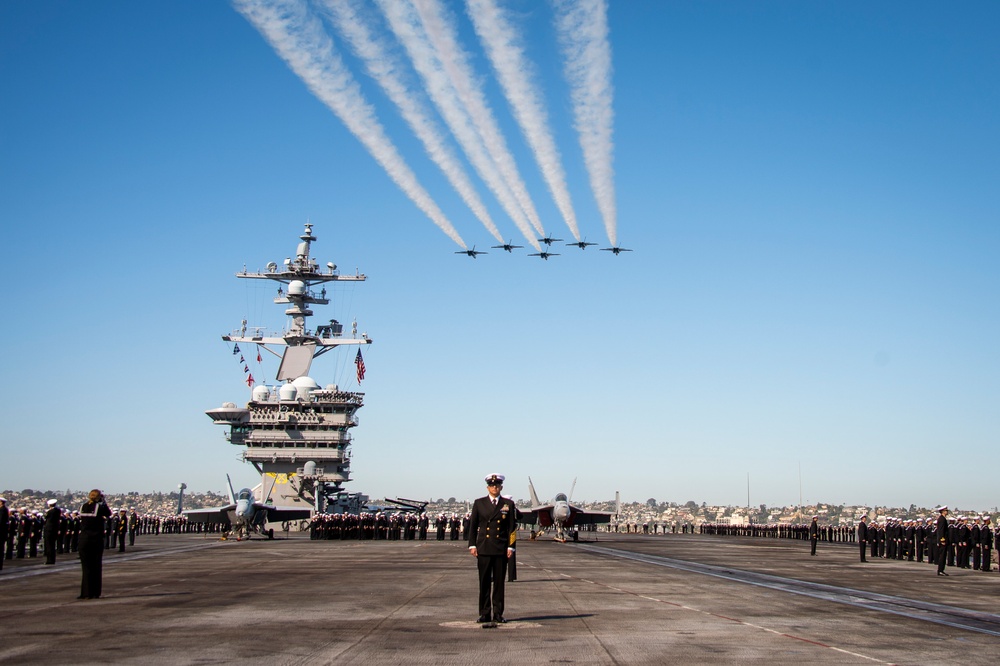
x=582, y=244
x=245, y=515
x=560, y=513
x=544, y=255
x=617, y=250
x=472, y=253
x=506, y=246
x=549, y=240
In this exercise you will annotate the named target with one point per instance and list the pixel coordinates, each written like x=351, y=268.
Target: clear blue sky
x=811, y=191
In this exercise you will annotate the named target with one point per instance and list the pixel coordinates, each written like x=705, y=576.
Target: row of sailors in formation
x=971, y=540
x=57, y=530
x=625, y=527
x=841, y=534
x=388, y=526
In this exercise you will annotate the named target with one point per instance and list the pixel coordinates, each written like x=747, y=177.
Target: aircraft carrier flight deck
x=619, y=599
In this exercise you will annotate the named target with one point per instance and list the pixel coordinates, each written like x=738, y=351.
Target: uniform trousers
x=92, y=561
x=492, y=575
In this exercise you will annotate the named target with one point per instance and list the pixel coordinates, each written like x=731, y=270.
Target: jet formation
x=544, y=254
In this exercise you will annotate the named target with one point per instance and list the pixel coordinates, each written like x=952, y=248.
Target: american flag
x=360, y=362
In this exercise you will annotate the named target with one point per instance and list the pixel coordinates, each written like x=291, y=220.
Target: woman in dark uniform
x=92, y=517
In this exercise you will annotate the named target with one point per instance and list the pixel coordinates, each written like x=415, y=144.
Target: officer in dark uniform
x=492, y=535
x=863, y=536
x=122, y=527
x=813, y=534
x=133, y=526
x=50, y=533
x=941, y=536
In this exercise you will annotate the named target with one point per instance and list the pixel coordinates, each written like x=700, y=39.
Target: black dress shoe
x=483, y=618
x=941, y=573
x=499, y=620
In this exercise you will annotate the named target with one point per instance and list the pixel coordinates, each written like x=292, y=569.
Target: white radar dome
x=260, y=393
x=332, y=387
x=305, y=386
x=287, y=392
x=296, y=288
x=229, y=405
x=309, y=469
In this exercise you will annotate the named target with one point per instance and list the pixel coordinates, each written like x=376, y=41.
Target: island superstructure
x=297, y=434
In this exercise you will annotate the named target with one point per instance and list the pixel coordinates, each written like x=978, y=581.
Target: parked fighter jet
x=582, y=244
x=506, y=246
x=549, y=240
x=617, y=250
x=472, y=253
x=544, y=255
x=561, y=514
x=245, y=515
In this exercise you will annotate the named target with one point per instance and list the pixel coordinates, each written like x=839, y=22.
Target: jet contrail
x=441, y=32
x=582, y=26
x=384, y=69
x=515, y=73
x=405, y=25
x=298, y=37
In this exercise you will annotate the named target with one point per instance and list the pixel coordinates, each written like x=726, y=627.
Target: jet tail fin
x=618, y=503
x=267, y=495
x=534, y=497
x=232, y=493
x=571, y=489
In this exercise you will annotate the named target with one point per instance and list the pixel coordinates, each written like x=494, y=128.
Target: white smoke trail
x=383, y=68
x=298, y=37
x=405, y=25
x=441, y=32
x=582, y=26
x=515, y=73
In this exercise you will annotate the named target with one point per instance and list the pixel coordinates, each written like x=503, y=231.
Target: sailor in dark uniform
x=813, y=534
x=941, y=536
x=863, y=536
x=4, y=525
x=986, y=541
x=50, y=532
x=492, y=535
x=975, y=543
x=92, y=517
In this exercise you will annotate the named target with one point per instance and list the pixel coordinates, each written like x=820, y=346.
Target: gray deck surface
x=188, y=599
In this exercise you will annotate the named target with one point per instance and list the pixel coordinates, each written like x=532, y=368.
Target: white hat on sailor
x=3, y=499
x=51, y=502
x=943, y=507
x=494, y=479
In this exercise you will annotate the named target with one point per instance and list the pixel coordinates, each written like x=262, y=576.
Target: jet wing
x=542, y=515
x=582, y=517
x=277, y=514
x=219, y=514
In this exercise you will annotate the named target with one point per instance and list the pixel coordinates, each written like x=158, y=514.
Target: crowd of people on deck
x=971, y=541
x=26, y=534
x=387, y=525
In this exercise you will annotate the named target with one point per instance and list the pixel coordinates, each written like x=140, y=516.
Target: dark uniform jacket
x=942, y=531
x=492, y=529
